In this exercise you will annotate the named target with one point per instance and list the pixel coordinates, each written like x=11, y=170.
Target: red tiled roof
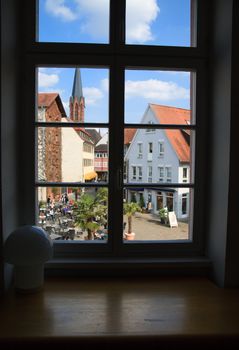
x=46, y=99
x=173, y=115
x=128, y=135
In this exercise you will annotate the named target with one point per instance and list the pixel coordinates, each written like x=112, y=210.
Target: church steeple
x=77, y=100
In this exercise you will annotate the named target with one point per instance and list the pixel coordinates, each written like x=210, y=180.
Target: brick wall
x=53, y=139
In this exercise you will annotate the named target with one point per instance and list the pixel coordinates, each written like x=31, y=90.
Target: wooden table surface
x=142, y=310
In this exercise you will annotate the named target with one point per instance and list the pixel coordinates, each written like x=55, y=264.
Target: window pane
x=154, y=22
x=157, y=214
x=164, y=155
x=72, y=154
x=74, y=21
x=73, y=94
x=73, y=213
x=158, y=97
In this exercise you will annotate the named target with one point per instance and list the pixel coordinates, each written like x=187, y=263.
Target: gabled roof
x=45, y=99
x=128, y=135
x=173, y=115
x=84, y=135
x=95, y=135
x=102, y=148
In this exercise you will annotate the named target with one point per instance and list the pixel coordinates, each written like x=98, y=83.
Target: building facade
x=65, y=154
x=101, y=158
x=160, y=156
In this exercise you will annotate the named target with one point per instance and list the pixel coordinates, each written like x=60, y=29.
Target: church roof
x=77, y=85
x=173, y=115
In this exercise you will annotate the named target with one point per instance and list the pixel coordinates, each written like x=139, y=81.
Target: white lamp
x=28, y=248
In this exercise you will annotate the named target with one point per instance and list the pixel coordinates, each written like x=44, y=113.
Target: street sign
x=172, y=219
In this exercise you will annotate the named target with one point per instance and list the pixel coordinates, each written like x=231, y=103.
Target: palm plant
x=129, y=210
x=91, y=212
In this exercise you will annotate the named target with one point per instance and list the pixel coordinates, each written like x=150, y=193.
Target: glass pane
x=159, y=155
x=74, y=21
x=72, y=154
x=154, y=22
x=158, y=97
x=73, y=94
x=157, y=214
x=73, y=213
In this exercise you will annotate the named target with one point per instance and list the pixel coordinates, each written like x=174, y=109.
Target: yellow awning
x=90, y=176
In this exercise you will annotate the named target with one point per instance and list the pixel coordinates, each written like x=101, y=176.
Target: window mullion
x=116, y=139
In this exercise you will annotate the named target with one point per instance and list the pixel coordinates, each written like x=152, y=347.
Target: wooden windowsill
x=163, y=310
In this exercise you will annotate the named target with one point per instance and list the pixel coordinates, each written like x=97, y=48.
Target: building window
x=133, y=172
x=150, y=130
x=185, y=174
x=169, y=201
x=161, y=173
x=150, y=147
x=161, y=149
x=184, y=203
x=140, y=150
x=150, y=173
x=129, y=83
x=159, y=200
x=168, y=173
x=140, y=173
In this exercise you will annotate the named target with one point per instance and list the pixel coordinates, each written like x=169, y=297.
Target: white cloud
x=92, y=95
x=47, y=80
x=94, y=16
x=140, y=15
x=58, y=9
x=105, y=84
x=154, y=89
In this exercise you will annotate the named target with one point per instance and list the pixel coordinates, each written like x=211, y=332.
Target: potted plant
x=163, y=214
x=90, y=212
x=129, y=210
x=142, y=204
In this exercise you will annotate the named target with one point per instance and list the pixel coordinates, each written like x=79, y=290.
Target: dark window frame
x=117, y=57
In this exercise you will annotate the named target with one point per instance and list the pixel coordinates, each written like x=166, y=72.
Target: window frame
x=118, y=57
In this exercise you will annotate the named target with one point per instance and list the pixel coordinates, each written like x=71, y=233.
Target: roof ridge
x=154, y=104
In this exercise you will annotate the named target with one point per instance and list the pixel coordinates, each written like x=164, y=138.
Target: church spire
x=77, y=100
x=77, y=85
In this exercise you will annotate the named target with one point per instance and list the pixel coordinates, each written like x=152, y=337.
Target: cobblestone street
x=149, y=227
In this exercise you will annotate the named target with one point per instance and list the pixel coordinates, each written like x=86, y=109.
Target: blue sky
x=154, y=22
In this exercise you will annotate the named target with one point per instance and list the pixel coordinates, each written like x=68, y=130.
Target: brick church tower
x=77, y=101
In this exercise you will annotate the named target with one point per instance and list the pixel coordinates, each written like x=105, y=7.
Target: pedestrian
x=66, y=198
x=48, y=201
x=52, y=214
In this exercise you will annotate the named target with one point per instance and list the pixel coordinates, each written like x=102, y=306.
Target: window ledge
x=133, y=266
x=122, y=311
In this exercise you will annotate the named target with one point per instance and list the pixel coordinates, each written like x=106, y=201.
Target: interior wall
x=9, y=113
x=232, y=250
x=220, y=113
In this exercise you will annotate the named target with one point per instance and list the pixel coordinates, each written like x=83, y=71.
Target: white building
x=77, y=155
x=161, y=156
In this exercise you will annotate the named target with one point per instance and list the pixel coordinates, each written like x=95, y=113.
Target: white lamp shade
x=28, y=245
x=28, y=248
